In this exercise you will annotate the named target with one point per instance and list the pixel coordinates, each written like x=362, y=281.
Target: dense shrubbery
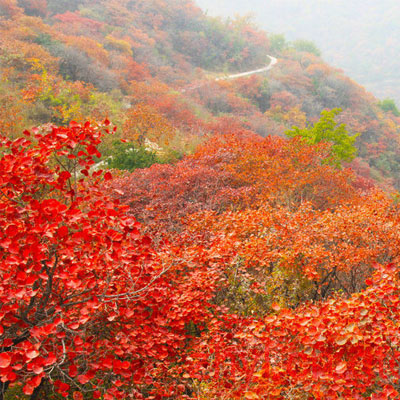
x=241, y=236
x=77, y=66
x=326, y=130
x=126, y=156
x=251, y=268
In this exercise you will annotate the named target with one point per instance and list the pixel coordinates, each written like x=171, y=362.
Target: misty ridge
x=360, y=36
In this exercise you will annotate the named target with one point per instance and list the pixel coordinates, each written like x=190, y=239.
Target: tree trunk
x=36, y=393
x=3, y=389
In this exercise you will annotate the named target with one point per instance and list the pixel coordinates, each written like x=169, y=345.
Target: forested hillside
x=64, y=61
x=361, y=36
x=170, y=233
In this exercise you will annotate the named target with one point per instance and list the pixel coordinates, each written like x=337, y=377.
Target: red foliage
x=10, y=8
x=177, y=112
x=74, y=19
x=234, y=171
x=90, y=303
x=86, y=299
x=285, y=100
x=341, y=348
x=136, y=71
x=163, y=194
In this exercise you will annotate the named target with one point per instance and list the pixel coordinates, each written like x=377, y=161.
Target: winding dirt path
x=236, y=76
x=256, y=71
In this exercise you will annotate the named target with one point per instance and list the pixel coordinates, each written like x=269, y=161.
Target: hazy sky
x=360, y=36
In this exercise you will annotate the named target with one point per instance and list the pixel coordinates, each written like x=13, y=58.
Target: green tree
x=389, y=105
x=327, y=130
x=306, y=45
x=126, y=156
x=277, y=42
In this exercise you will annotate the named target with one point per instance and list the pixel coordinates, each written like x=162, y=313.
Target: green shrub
x=307, y=46
x=327, y=130
x=127, y=156
x=389, y=105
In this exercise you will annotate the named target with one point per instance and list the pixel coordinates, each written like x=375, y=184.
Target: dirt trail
x=248, y=73
x=236, y=76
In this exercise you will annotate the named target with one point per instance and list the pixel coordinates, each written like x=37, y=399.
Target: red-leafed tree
x=9, y=8
x=88, y=306
x=340, y=348
x=34, y=7
x=232, y=172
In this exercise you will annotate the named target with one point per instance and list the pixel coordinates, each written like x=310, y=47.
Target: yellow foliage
x=291, y=117
x=119, y=44
x=145, y=122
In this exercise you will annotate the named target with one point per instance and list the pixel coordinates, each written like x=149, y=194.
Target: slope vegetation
x=215, y=257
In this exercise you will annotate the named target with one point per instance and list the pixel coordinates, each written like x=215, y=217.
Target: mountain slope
x=129, y=60
x=210, y=262
x=359, y=36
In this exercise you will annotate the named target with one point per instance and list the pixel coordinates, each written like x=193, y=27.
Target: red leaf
x=83, y=379
x=64, y=175
x=37, y=369
x=50, y=360
x=73, y=371
x=12, y=377
x=91, y=150
x=146, y=241
x=62, y=386
x=11, y=231
x=62, y=232
x=107, y=176
x=31, y=354
x=276, y=307
x=28, y=389
x=5, y=360
x=31, y=385
x=126, y=365
x=107, y=362
x=341, y=368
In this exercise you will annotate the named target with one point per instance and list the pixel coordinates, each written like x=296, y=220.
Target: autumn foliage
x=250, y=260
x=86, y=298
x=297, y=300
x=260, y=275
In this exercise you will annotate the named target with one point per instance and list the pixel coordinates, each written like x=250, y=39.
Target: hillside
x=168, y=233
x=361, y=37
x=59, y=62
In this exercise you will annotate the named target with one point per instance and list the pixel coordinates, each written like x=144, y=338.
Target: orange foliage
x=10, y=8
x=89, y=46
x=280, y=171
x=145, y=122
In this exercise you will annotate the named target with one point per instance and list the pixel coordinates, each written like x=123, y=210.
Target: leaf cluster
x=327, y=130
